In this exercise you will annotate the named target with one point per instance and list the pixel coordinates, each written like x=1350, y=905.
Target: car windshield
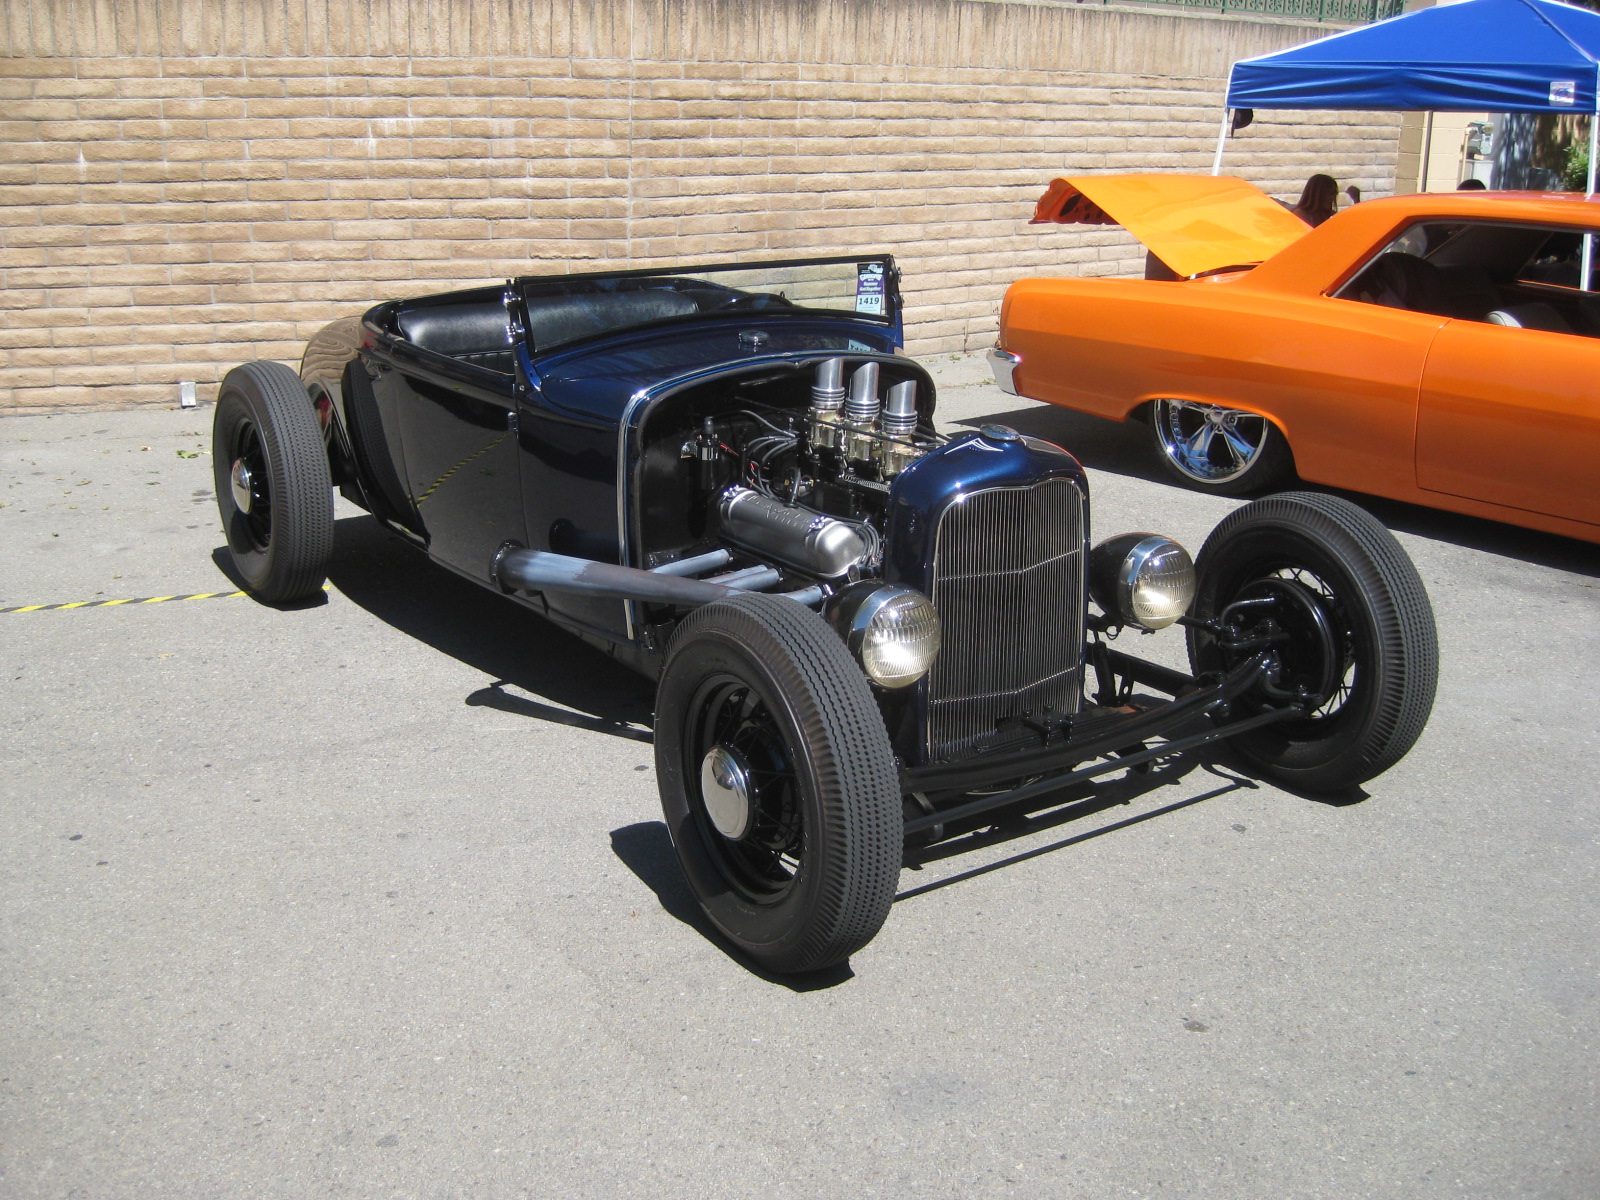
x=567, y=308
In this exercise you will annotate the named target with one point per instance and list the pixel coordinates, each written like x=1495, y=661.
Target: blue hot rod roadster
x=862, y=632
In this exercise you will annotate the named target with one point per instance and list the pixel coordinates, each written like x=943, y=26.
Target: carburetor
x=880, y=437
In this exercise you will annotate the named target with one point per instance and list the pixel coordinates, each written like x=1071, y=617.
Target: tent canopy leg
x=1222, y=139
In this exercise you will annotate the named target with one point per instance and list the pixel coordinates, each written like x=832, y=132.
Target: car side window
x=1520, y=276
x=1559, y=262
x=1401, y=276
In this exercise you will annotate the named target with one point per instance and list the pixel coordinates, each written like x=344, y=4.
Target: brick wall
x=187, y=184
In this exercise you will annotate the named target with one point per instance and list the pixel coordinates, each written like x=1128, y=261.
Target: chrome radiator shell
x=993, y=528
x=1008, y=584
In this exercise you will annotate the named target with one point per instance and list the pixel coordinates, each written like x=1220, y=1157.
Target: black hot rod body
x=861, y=630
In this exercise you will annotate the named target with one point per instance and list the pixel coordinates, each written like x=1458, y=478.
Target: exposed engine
x=796, y=536
x=807, y=488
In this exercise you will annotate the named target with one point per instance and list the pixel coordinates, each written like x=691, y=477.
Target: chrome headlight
x=1142, y=579
x=892, y=630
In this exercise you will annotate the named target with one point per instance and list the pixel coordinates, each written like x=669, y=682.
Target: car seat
x=556, y=319
x=477, y=333
x=1532, y=315
x=1400, y=280
x=1469, y=292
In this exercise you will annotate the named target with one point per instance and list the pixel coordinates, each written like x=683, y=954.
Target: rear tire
x=778, y=783
x=274, y=490
x=1357, y=635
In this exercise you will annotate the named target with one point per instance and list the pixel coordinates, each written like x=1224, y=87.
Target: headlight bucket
x=892, y=630
x=1142, y=579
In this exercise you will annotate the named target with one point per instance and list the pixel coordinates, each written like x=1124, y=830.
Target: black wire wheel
x=777, y=782
x=1217, y=449
x=274, y=489
x=1328, y=590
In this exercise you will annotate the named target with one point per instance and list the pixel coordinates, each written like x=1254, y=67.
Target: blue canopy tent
x=1478, y=56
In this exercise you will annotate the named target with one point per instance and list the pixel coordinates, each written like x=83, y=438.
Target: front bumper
x=1004, y=363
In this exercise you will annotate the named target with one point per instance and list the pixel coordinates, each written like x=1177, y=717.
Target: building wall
x=187, y=184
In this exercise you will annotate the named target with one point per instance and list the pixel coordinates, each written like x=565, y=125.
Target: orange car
x=1438, y=349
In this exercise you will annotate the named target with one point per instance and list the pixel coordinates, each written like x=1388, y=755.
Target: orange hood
x=1193, y=223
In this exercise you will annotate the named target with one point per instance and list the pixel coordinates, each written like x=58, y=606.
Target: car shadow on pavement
x=223, y=559
x=1477, y=533
x=1113, y=793
x=1126, y=448
x=516, y=648
x=646, y=850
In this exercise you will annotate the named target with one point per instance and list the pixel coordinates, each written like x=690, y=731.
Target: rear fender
x=1142, y=408
x=329, y=405
x=329, y=354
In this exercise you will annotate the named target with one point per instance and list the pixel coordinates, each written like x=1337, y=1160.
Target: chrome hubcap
x=725, y=790
x=1208, y=442
x=240, y=482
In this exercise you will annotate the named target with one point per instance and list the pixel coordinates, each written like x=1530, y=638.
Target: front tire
x=274, y=489
x=1349, y=622
x=778, y=783
x=1212, y=448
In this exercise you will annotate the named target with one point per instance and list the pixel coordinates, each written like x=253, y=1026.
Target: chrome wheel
x=726, y=792
x=1209, y=444
x=242, y=479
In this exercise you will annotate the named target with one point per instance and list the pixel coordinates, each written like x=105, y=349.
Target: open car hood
x=1193, y=223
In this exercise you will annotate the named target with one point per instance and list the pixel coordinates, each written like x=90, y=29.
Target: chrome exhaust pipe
x=519, y=570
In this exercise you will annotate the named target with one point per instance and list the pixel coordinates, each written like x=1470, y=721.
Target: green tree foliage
x=1575, y=171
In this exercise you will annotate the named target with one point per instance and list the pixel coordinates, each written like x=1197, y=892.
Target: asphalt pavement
x=372, y=898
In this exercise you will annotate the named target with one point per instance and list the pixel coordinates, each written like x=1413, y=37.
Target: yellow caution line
x=439, y=482
x=127, y=600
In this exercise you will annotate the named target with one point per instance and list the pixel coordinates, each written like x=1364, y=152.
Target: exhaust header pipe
x=521, y=570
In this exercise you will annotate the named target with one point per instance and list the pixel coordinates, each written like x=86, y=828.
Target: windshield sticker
x=1564, y=91
x=869, y=288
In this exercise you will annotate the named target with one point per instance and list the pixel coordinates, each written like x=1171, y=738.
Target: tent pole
x=1594, y=131
x=1427, y=152
x=1222, y=138
x=1594, y=140
x=1587, y=275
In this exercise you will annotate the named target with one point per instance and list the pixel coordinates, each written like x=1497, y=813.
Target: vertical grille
x=1008, y=579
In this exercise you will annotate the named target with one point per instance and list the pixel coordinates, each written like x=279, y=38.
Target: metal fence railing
x=1349, y=12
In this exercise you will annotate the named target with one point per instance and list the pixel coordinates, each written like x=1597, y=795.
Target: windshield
x=566, y=308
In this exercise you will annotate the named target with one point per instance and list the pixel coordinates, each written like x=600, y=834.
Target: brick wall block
x=210, y=193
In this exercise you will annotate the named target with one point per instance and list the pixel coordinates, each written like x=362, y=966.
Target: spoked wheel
x=778, y=783
x=1327, y=588
x=273, y=486
x=1224, y=450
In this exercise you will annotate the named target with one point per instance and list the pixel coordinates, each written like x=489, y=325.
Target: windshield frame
x=876, y=295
